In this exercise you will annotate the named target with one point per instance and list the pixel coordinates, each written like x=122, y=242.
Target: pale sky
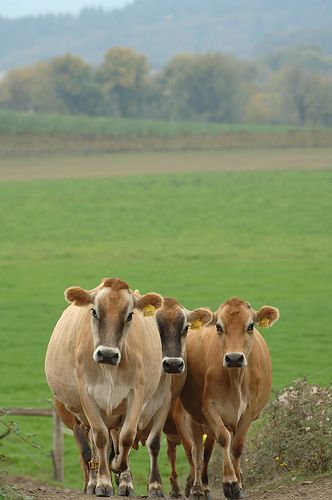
x=18, y=8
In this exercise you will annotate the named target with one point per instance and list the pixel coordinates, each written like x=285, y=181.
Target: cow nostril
x=166, y=364
x=241, y=358
x=181, y=365
x=100, y=355
x=227, y=359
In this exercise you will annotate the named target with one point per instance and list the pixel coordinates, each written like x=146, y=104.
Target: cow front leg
x=102, y=442
x=126, y=488
x=231, y=486
x=128, y=430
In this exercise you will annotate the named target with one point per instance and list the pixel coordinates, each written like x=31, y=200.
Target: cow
x=109, y=305
x=228, y=383
x=103, y=362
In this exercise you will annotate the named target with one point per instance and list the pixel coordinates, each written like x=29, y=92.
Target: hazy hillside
x=161, y=28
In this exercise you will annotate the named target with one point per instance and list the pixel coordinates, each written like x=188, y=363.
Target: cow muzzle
x=107, y=355
x=235, y=360
x=173, y=365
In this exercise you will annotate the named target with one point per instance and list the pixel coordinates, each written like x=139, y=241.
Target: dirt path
x=317, y=490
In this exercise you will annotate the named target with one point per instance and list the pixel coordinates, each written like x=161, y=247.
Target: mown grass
x=265, y=236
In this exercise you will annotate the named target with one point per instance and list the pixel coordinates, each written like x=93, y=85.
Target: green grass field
x=198, y=236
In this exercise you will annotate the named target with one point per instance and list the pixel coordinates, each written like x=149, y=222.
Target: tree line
x=290, y=86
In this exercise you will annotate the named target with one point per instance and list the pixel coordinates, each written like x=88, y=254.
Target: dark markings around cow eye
x=185, y=330
x=219, y=327
x=130, y=317
x=94, y=313
x=251, y=327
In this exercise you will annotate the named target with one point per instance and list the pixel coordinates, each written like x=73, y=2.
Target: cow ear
x=78, y=296
x=148, y=303
x=199, y=317
x=267, y=316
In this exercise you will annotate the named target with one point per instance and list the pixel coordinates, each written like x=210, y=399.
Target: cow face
x=235, y=323
x=112, y=307
x=173, y=323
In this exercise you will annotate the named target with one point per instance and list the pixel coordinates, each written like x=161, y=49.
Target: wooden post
x=57, y=451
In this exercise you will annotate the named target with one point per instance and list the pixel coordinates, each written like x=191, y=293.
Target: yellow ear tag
x=196, y=325
x=264, y=322
x=204, y=437
x=148, y=310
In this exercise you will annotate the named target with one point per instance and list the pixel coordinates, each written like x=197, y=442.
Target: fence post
x=57, y=451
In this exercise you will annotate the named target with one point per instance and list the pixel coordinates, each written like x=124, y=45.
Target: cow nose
x=234, y=360
x=109, y=356
x=173, y=365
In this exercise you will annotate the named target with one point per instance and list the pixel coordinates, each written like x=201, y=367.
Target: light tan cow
x=228, y=384
x=170, y=328
x=104, y=363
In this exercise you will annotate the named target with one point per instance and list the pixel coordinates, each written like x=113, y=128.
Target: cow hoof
x=155, y=493
x=197, y=495
x=126, y=491
x=208, y=495
x=104, y=491
x=91, y=490
x=189, y=485
x=233, y=491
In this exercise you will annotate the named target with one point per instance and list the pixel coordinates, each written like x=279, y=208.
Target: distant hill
x=162, y=28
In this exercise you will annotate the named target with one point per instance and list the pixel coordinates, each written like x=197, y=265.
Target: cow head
x=235, y=321
x=112, y=306
x=173, y=323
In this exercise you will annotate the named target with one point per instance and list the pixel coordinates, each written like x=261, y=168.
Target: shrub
x=294, y=436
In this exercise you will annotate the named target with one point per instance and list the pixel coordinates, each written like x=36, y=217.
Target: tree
x=29, y=89
x=76, y=85
x=210, y=87
x=123, y=76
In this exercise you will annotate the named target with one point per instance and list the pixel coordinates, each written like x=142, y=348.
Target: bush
x=294, y=436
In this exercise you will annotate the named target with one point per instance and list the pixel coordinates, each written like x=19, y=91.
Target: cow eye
x=129, y=317
x=94, y=313
x=219, y=327
x=251, y=327
x=185, y=330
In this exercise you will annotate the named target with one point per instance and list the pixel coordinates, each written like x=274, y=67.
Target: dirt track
x=317, y=490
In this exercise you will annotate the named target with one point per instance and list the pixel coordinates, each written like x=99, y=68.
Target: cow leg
x=237, y=447
x=183, y=431
x=173, y=478
x=197, y=491
x=102, y=441
x=155, y=488
x=82, y=441
x=93, y=467
x=126, y=488
x=208, y=448
x=128, y=430
x=231, y=485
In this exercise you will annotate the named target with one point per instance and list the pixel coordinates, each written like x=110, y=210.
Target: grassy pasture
x=202, y=237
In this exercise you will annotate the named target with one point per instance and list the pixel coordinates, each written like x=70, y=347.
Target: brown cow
x=228, y=384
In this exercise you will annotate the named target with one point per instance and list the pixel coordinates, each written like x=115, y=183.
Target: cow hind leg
x=197, y=491
x=173, y=478
x=208, y=448
x=155, y=488
x=83, y=445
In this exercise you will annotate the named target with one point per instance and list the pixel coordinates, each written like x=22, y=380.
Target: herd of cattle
x=125, y=367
